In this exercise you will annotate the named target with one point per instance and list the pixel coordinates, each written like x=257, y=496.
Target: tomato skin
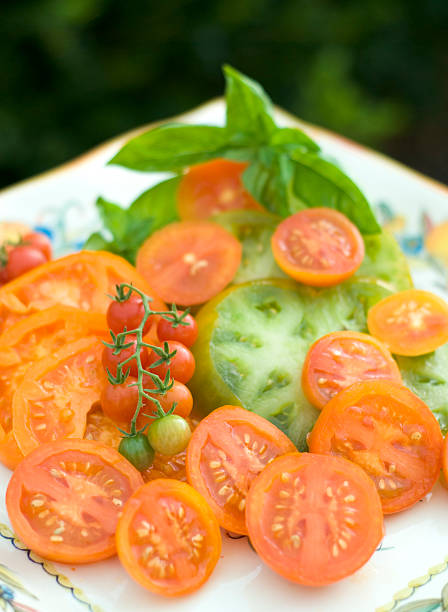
x=119, y=402
x=213, y=187
x=64, y=478
x=390, y=432
x=186, y=334
x=318, y=247
x=39, y=241
x=188, y=562
x=137, y=450
x=410, y=323
x=127, y=314
x=111, y=361
x=226, y=452
x=178, y=394
x=182, y=364
x=300, y=513
x=169, y=435
x=21, y=259
x=338, y=359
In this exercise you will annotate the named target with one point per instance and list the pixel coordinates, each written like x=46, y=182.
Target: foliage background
x=76, y=72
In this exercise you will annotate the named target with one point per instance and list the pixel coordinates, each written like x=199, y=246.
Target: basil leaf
x=317, y=182
x=158, y=204
x=249, y=115
x=267, y=180
x=172, y=147
x=289, y=139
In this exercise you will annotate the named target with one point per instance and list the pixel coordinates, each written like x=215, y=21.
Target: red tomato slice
x=390, y=433
x=64, y=499
x=213, y=187
x=314, y=519
x=337, y=360
x=226, y=452
x=411, y=323
x=189, y=262
x=318, y=246
x=57, y=393
x=168, y=539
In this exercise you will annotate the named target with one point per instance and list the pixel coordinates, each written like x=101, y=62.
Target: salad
x=293, y=326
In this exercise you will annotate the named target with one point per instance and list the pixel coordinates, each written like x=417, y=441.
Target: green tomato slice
x=253, y=339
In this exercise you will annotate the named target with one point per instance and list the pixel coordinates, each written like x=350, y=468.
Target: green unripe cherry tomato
x=169, y=435
x=137, y=450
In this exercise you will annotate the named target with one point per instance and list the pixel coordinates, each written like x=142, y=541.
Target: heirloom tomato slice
x=410, y=323
x=226, y=452
x=213, y=187
x=314, y=519
x=389, y=432
x=64, y=499
x=318, y=246
x=57, y=393
x=82, y=280
x=10, y=453
x=339, y=359
x=168, y=539
x=189, y=262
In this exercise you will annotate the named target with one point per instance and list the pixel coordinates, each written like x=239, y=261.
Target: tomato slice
x=10, y=453
x=226, y=452
x=390, y=433
x=314, y=519
x=318, y=246
x=339, y=359
x=168, y=539
x=411, y=323
x=189, y=262
x=57, y=393
x=64, y=499
x=82, y=280
x=213, y=187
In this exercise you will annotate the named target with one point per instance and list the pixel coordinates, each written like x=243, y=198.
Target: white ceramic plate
x=411, y=561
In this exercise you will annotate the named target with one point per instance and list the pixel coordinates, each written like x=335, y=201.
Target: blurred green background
x=76, y=72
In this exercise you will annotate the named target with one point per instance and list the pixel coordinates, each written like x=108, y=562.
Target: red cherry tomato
x=111, y=361
x=186, y=334
x=120, y=401
x=39, y=241
x=21, y=259
x=178, y=394
x=127, y=314
x=182, y=364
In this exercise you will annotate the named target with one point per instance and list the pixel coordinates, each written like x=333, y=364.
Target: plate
x=411, y=563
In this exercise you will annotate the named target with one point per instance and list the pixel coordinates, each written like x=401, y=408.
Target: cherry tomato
x=21, y=259
x=185, y=333
x=339, y=359
x=411, y=323
x=119, y=402
x=111, y=360
x=169, y=435
x=189, y=262
x=179, y=394
x=213, y=187
x=127, y=314
x=226, y=452
x=137, y=450
x=64, y=499
x=318, y=246
x=181, y=366
x=390, y=433
x=168, y=539
x=3, y=275
x=314, y=519
x=39, y=241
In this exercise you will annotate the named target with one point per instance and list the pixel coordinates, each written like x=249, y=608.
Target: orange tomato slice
x=411, y=323
x=213, y=187
x=57, y=393
x=168, y=539
x=225, y=453
x=390, y=433
x=339, y=359
x=318, y=246
x=189, y=262
x=314, y=519
x=10, y=453
x=64, y=499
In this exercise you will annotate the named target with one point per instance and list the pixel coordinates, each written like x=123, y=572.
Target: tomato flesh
x=339, y=359
x=318, y=246
x=314, y=519
x=226, y=452
x=168, y=539
x=390, y=433
x=64, y=499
